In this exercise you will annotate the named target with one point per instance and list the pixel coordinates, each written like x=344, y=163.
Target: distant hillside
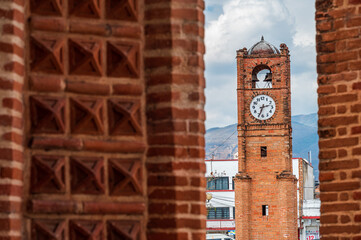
x=304, y=133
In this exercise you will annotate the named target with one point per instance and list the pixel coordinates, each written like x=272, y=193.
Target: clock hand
x=261, y=110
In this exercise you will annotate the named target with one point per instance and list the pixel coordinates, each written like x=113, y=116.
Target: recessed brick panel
x=85, y=8
x=86, y=116
x=124, y=117
x=125, y=177
x=87, y=175
x=47, y=114
x=47, y=174
x=126, y=10
x=80, y=229
x=46, y=229
x=47, y=54
x=123, y=59
x=85, y=57
x=47, y=7
x=127, y=230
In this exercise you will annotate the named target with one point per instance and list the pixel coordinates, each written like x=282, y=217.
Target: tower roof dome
x=263, y=47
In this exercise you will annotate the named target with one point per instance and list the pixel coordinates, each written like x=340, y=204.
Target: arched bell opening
x=262, y=77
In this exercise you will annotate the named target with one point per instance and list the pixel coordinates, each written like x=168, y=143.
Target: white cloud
x=243, y=22
x=234, y=24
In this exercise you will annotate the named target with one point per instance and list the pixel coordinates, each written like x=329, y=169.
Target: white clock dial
x=262, y=107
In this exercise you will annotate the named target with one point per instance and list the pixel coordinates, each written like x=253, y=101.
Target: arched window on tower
x=262, y=77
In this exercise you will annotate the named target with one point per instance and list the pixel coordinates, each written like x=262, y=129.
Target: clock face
x=262, y=107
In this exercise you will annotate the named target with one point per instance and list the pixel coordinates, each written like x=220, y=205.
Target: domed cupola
x=263, y=47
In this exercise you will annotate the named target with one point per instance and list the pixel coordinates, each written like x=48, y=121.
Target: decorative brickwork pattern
x=85, y=120
x=339, y=82
x=111, y=86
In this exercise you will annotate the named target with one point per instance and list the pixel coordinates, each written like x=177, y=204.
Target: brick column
x=11, y=112
x=174, y=84
x=338, y=26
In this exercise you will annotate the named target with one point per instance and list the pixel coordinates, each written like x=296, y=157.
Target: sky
x=235, y=24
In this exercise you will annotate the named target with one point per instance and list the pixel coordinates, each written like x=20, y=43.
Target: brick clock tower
x=265, y=188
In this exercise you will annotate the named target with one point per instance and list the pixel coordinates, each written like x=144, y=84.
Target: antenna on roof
x=309, y=157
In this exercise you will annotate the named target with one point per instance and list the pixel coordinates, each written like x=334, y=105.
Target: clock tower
x=265, y=188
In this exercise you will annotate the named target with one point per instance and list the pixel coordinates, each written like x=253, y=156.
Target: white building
x=221, y=206
x=220, y=185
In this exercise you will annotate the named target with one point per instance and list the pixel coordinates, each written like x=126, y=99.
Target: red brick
x=11, y=48
x=339, y=207
x=168, y=208
x=11, y=29
x=328, y=197
x=342, y=186
x=337, y=121
x=179, y=195
x=88, y=88
x=335, y=165
x=52, y=206
x=167, y=181
x=344, y=197
x=114, y=146
x=48, y=143
x=128, y=89
x=326, y=111
x=11, y=154
x=326, y=176
x=175, y=235
x=339, y=229
x=7, y=84
x=9, y=223
x=46, y=84
x=328, y=219
x=337, y=99
x=13, y=103
x=14, y=67
x=6, y=120
x=99, y=207
x=11, y=173
x=13, y=137
x=339, y=142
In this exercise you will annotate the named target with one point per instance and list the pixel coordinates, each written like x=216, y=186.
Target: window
x=264, y=210
x=219, y=183
x=261, y=77
x=234, y=212
x=218, y=213
x=263, y=151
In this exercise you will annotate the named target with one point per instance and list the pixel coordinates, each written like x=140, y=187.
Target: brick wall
x=338, y=65
x=11, y=134
x=114, y=122
x=174, y=77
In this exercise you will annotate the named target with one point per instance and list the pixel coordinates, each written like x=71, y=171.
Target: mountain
x=222, y=142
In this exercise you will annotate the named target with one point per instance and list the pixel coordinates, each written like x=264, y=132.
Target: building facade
x=221, y=203
x=265, y=188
